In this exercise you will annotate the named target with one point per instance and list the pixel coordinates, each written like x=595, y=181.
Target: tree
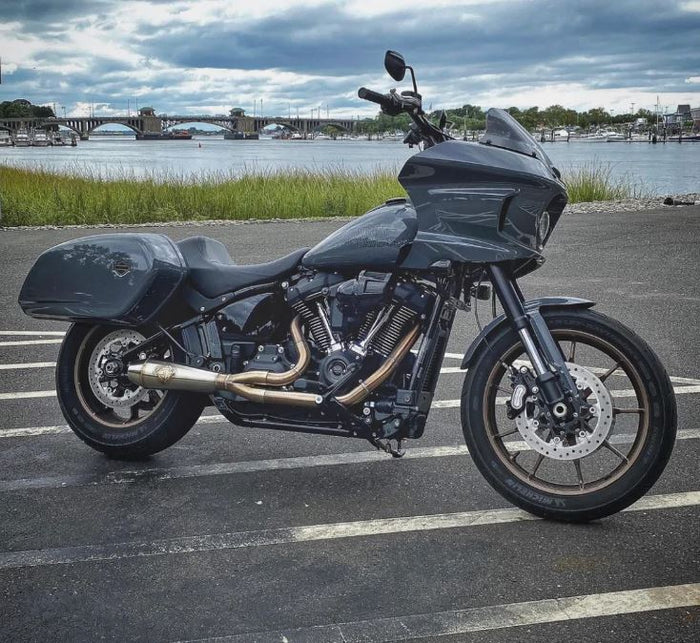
x=22, y=108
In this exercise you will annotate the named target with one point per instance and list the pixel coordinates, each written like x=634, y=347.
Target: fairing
x=478, y=203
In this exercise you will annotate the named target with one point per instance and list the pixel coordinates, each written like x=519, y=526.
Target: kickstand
x=386, y=446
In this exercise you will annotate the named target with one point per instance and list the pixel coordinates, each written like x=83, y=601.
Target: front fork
x=555, y=383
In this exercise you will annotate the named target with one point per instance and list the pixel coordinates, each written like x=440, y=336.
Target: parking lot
x=255, y=535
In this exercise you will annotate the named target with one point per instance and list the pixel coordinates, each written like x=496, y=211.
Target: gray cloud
x=600, y=44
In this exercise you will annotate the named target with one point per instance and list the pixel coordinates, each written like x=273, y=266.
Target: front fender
x=530, y=306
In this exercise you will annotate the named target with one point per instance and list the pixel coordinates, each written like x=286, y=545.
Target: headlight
x=542, y=228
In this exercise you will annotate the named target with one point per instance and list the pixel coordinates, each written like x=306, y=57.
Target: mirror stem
x=413, y=78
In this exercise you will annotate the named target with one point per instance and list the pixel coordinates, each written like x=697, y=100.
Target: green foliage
x=22, y=108
x=40, y=197
x=594, y=182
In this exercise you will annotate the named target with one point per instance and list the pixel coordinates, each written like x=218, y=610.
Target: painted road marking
x=25, y=365
x=255, y=466
x=483, y=619
x=438, y=404
x=32, y=342
x=445, y=370
x=31, y=333
x=27, y=395
x=307, y=533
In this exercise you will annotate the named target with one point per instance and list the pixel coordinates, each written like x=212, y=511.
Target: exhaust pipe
x=156, y=374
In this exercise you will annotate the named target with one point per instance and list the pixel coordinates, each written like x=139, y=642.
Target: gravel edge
x=612, y=207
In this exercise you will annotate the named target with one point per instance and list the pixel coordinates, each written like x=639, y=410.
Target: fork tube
x=511, y=300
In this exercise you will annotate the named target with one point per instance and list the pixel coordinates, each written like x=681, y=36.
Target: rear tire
x=643, y=408
x=155, y=421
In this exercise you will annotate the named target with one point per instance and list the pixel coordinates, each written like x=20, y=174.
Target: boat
x=615, y=137
x=39, y=139
x=5, y=139
x=22, y=138
x=181, y=135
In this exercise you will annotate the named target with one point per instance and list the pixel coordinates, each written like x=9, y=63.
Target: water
x=669, y=168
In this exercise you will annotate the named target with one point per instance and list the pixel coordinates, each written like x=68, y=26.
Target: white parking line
x=256, y=466
x=484, y=619
x=32, y=342
x=438, y=404
x=30, y=333
x=445, y=370
x=27, y=395
x=25, y=365
x=307, y=533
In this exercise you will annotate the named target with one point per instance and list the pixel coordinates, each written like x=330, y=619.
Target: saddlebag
x=114, y=278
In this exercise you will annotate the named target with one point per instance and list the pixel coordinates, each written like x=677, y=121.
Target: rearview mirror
x=395, y=65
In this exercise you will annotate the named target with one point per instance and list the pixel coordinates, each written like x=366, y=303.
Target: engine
x=358, y=321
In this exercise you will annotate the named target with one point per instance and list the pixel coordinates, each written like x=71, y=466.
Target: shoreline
x=586, y=207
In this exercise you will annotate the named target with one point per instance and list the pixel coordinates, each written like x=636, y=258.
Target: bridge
x=148, y=124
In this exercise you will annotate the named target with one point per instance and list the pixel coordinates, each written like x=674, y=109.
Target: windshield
x=502, y=130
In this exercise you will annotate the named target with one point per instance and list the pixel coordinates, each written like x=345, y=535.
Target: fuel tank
x=378, y=240
x=479, y=203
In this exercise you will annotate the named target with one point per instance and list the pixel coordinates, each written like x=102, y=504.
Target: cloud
x=200, y=55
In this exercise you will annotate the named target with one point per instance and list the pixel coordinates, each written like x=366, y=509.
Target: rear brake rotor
x=111, y=392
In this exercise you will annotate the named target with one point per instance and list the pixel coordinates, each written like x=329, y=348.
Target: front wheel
x=107, y=411
x=619, y=451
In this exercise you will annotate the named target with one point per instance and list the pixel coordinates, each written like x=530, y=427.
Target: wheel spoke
x=579, y=474
x=618, y=411
x=611, y=448
x=607, y=374
x=572, y=351
x=134, y=414
x=538, y=462
x=505, y=434
x=501, y=389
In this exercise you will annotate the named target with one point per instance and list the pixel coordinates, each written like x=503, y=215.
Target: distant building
x=678, y=119
x=695, y=115
x=147, y=111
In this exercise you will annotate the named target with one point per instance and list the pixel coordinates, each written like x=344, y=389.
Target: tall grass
x=31, y=197
x=595, y=181
x=41, y=197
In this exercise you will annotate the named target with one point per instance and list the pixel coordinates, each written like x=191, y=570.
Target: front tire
x=118, y=419
x=609, y=469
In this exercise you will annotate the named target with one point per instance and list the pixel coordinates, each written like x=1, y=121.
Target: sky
x=292, y=56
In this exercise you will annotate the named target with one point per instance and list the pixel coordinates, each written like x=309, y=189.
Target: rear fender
x=532, y=306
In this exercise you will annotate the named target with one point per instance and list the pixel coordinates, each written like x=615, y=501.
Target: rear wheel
x=611, y=459
x=107, y=411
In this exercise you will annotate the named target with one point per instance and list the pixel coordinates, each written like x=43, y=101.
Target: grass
x=595, y=182
x=41, y=197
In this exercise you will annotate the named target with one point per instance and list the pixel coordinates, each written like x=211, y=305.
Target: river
x=669, y=168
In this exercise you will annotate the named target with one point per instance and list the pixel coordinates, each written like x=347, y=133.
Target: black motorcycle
x=566, y=412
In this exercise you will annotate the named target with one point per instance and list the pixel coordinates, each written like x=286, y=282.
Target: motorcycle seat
x=212, y=272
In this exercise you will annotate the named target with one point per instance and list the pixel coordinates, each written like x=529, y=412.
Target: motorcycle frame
x=451, y=285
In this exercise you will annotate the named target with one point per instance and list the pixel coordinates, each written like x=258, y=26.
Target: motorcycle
x=566, y=412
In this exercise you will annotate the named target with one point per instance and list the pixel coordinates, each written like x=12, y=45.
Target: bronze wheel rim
x=615, y=456
x=118, y=415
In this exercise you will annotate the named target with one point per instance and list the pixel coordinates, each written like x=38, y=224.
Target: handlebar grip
x=375, y=97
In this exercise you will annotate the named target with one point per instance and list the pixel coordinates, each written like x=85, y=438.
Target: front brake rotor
x=590, y=434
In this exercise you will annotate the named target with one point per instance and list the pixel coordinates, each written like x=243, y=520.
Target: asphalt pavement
x=241, y=534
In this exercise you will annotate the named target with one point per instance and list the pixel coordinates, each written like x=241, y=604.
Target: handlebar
x=386, y=101
x=394, y=104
